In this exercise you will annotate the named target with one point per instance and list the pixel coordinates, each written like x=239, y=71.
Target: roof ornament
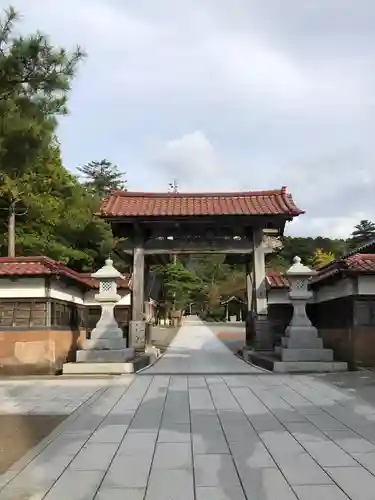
x=173, y=186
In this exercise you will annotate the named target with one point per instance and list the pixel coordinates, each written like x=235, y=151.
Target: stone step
x=105, y=356
x=104, y=344
x=301, y=343
x=306, y=354
x=309, y=366
x=98, y=368
x=272, y=362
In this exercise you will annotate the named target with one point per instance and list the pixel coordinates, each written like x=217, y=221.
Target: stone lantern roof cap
x=107, y=271
x=299, y=269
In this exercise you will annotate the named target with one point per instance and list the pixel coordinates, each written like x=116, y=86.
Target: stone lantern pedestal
x=106, y=351
x=301, y=341
x=301, y=347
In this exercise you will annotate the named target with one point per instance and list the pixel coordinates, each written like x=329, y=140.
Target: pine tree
x=102, y=177
x=362, y=234
x=35, y=78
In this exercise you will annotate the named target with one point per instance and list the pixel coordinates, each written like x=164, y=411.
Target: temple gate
x=243, y=225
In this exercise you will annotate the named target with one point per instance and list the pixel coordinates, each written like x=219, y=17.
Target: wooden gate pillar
x=249, y=284
x=249, y=320
x=137, y=324
x=263, y=336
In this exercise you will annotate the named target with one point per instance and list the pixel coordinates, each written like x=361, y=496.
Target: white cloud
x=238, y=95
x=333, y=227
x=189, y=159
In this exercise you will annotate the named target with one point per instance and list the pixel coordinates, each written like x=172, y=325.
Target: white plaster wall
x=125, y=300
x=22, y=288
x=366, y=285
x=61, y=291
x=278, y=296
x=341, y=288
x=32, y=287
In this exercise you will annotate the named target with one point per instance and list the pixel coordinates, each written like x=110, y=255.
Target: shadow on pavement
x=226, y=436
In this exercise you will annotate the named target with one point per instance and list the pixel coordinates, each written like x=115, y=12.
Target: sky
x=224, y=96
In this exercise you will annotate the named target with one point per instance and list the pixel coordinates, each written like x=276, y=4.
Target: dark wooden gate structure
x=240, y=225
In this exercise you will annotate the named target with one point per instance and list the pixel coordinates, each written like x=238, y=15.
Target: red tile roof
x=133, y=204
x=358, y=263
x=277, y=280
x=347, y=265
x=44, y=266
x=361, y=263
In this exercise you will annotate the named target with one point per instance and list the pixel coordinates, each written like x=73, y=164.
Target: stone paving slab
x=46, y=396
x=197, y=350
x=236, y=436
x=199, y=437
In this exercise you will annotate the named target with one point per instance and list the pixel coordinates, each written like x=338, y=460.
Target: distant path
x=196, y=350
x=233, y=335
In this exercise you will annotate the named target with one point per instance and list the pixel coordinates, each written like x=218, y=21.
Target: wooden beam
x=167, y=247
x=272, y=221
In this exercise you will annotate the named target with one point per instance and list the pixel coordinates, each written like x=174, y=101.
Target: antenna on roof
x=173, y=186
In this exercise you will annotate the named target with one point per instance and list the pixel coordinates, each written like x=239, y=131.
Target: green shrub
x=215, y=315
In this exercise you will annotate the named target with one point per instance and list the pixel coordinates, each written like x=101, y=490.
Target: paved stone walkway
x=197, y=350
x=198, y=437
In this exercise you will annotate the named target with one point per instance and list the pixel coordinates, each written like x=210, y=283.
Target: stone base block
x=271, y=362
x=137, y=334
x=309, y=366
x=297, y=343
x=306, y=354
x=98, y=368
x=104, y=344
x=103, y=356
x=263, y=335
x=302, y=332
x=109, y=332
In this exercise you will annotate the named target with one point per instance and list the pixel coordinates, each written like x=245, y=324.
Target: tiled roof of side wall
x=41, y=265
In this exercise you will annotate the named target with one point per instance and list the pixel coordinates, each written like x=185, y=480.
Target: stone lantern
x=107, y=343
x=301, y=341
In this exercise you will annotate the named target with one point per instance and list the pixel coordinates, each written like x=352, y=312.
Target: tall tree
x=179, y=284
x=276, y=262
x=35, y=78
x=102, y=177
x=362, y=233
x=58, y=218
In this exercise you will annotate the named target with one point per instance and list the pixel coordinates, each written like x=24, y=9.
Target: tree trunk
x=12, y=230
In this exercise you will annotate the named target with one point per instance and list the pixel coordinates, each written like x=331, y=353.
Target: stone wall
x=355, y=345
x=32, y=352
